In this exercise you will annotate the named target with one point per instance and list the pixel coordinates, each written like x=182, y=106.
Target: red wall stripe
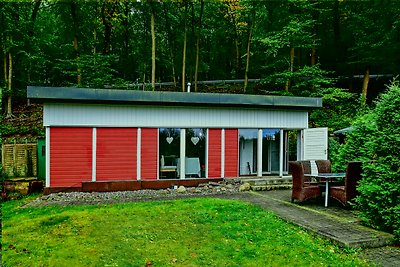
x=231, y=153
x=116, y=154
x=214, y=153
x=149, y=158
x=70, y=156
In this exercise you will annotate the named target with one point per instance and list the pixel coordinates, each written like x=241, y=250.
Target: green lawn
x=191, y=232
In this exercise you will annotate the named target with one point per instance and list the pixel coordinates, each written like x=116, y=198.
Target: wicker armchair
x=302, y=190
x=323, y=166
x=348, y=191
x=306, y=164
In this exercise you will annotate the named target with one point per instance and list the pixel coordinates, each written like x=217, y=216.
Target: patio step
x=268, y=183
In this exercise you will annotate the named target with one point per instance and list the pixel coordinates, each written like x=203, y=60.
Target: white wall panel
x=96, y=115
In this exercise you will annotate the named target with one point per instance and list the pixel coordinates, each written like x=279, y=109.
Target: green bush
x=375, y=140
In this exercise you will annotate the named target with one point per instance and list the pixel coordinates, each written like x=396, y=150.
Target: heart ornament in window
x=170, y=139
x=194, y=140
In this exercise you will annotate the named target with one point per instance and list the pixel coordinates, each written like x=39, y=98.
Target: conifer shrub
x=375, y=140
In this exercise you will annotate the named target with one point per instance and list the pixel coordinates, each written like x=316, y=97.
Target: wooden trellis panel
x=19, y=160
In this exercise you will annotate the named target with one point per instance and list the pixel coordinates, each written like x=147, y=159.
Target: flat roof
x=90, y=95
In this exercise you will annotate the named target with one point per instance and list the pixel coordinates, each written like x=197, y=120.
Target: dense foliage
x=329, y=49
x=292, y=46
x=375, y=140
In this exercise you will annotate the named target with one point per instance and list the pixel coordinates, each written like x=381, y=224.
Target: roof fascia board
x=87, y=95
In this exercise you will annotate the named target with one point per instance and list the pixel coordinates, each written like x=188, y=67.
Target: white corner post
x=94, y=153
x=47, y=156
x=182, y=169
x=299, y=145
x=138, y=154
x=281, y=153
x=259, y=152
x=222, y=153
x=188, y=87
x=207, y=136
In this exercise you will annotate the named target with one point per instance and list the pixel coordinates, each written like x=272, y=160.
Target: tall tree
x=196, y=71
x=153, y=50
x=170, y=42
x=108, y=14
x=184, y=47
x=374, y=30
x=76, y=47
x=250, y=34
x=233, y=14
x=9, y=71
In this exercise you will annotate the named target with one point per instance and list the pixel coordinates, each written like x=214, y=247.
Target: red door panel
x=70, y=156
x=231, y=152
x=149, y=148
x=214, y=153
x=116, y=154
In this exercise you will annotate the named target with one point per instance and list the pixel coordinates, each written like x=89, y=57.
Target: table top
x=328, y=175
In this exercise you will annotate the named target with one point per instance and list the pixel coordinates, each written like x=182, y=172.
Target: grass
x=190, y=232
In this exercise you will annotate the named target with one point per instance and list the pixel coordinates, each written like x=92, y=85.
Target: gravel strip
x=84, y=198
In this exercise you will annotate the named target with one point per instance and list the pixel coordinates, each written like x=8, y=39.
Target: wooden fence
x=19, y=160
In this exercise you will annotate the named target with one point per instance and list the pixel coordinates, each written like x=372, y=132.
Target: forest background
x=346, y=52
x=343, y=51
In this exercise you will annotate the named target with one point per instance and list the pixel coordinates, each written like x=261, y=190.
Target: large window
x=270, y=146
x=169, y=151
x=248, y=151
x=195, y=152
x=249, y=147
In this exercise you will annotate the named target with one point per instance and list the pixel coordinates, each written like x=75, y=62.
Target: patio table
x=328, y=178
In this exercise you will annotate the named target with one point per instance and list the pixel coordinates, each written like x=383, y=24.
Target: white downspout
x=259, y=153
x=281, y=154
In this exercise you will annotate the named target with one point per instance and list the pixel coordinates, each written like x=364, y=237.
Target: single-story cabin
x=102, y=139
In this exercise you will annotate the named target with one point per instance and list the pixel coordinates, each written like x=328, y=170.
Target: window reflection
x=195, y=152
x=169, y=151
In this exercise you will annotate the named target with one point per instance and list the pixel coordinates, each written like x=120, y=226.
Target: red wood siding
x=231, y=153
x=70, y=156
x=116, y=154
x=214, y=153
x=149, y=148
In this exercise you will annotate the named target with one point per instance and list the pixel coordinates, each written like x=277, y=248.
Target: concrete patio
x=334, y=222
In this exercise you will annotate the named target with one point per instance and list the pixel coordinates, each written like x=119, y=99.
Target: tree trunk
x=237, y=56
x=313, y=61
x=337, y=48
x=237, y=49
x=33, y=17
x=126, y=33
x=31, y=33
x=153, y=52
x=107, y=14
x=184, y=52
x=196, y=71
x=288, y=82
x=76, y=48
x=171, y=44
x=5, y=69
x=94, y=44
x=315, y=16
x=365, y=87
x=313, y=56
x=9, y=83
x=246, y=77
x=184, y=62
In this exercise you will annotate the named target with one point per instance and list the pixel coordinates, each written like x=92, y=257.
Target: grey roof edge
x=74, y=94
x=344, y=131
